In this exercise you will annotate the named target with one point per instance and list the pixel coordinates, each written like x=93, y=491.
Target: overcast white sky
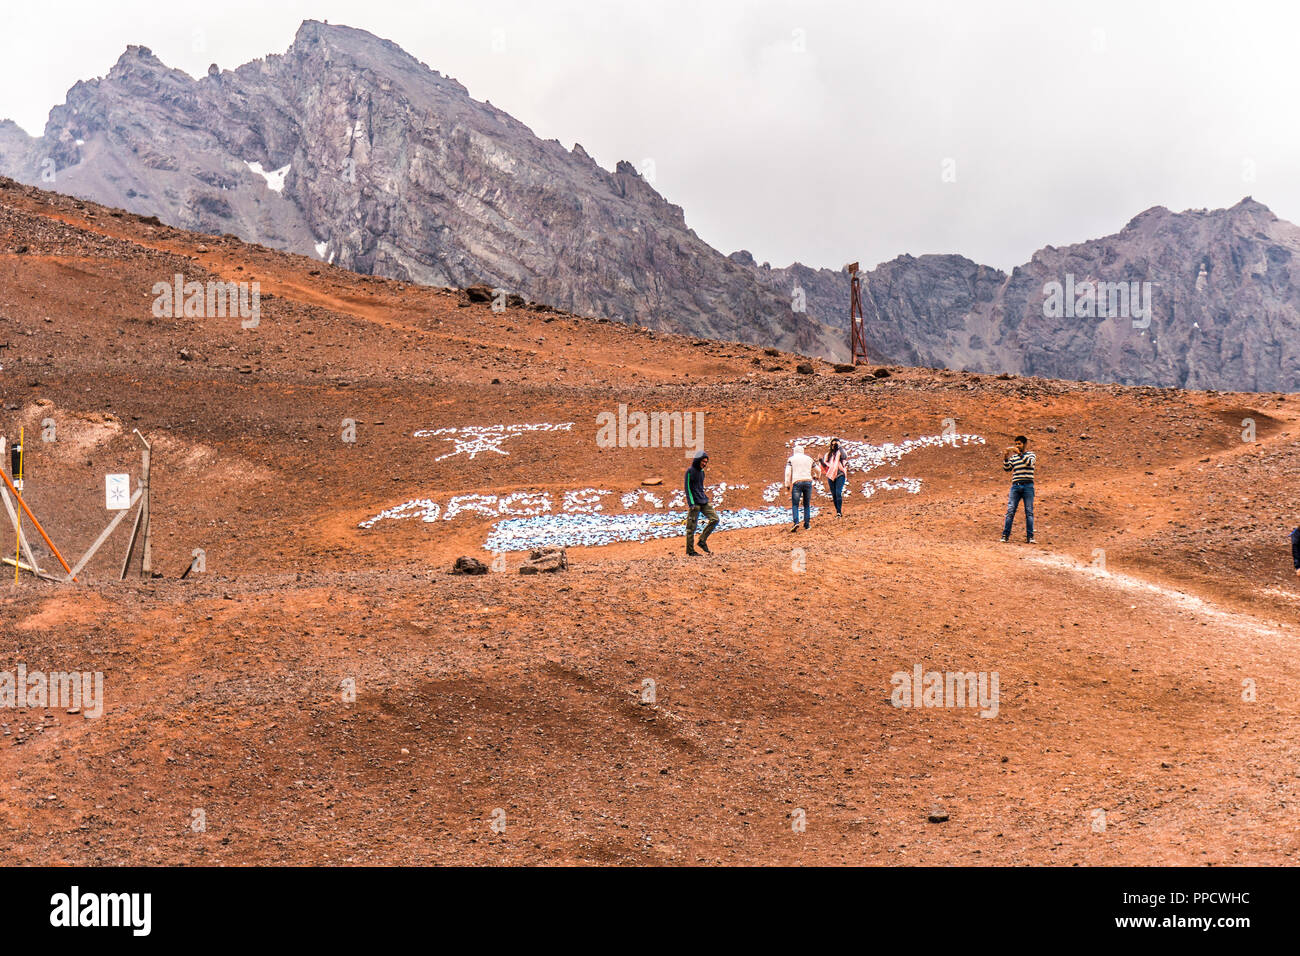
x=815, y=131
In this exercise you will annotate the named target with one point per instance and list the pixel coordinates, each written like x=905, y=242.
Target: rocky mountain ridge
x=347, y=148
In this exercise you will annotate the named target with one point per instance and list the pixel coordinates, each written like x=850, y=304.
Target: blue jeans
x=837, y=493
x=801, y=490
x=1020, y=492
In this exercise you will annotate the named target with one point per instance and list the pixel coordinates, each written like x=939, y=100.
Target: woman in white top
x=799, y=470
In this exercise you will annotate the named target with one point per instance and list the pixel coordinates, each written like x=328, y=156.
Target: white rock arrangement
x=567, y=531
x=473, y=440
x=864, y=456
x=524, y=503
x=529, y=519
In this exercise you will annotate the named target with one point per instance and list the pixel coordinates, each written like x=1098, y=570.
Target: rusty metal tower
x=857, y=339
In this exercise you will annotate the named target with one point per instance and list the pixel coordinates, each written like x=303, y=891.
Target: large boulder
x=545, y=560
x=467, y=565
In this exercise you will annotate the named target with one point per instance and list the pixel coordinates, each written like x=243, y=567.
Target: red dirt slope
x=521, y=700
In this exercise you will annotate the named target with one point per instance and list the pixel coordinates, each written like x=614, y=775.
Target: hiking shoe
x=692, y=553
x=1003, y=539
x=1032, y=541
x=703, y=547
x=794, y=527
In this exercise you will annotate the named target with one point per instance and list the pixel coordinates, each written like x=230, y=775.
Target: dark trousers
x=837, y=493
x=801, y=491
x=1020, y=491
x=693, y=517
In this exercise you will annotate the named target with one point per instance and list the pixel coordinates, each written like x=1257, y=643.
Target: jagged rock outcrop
x=1225, y=305
x=17, y=149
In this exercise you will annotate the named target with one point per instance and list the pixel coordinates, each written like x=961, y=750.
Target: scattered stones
x=938, y=816
x=882, y=373
x=467, y=565
x=842, y=367
x=804, y=368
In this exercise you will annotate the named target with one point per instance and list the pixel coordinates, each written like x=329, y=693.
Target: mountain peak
x=351, y=41
x=134, y=53
x=315, y=29
x=138, y=62
x=1252, y=207
x=1155, y=212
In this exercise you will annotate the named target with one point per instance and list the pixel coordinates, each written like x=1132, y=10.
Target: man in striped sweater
x=1021, y=465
